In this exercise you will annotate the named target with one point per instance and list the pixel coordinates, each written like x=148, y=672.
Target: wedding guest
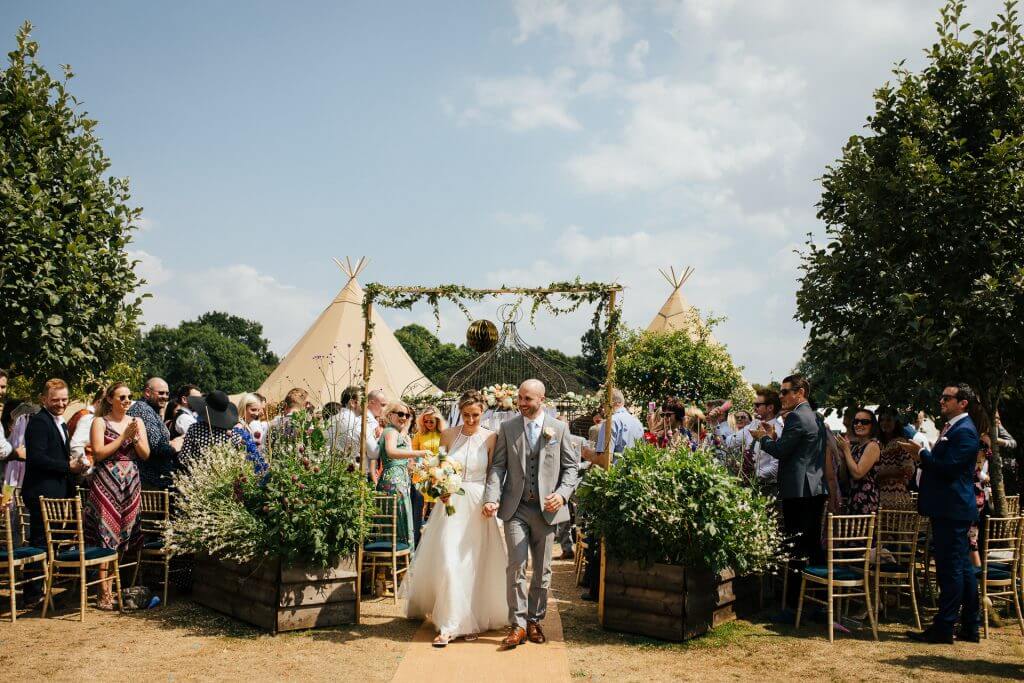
x=860, y=453
x=118, y=442
x=280, y=427
x=14, y=473
x=185, y=417
x=252, y=417
x=718, y=421
x=5, y=445
x=670, y=427
x=155, y=471
x=895, y=466
x=343, y=432
x=80, y=432
x=626, y=431
x=947, y=497
x=218, y=418
x=48, y=465
x=375, y=403
x=757, y=467
x=597, y=418
x=395, y=450
x=429, y=426
x=330, y=409
x=800, y=450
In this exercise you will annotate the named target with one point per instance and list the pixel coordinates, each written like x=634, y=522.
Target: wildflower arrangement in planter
x=311, y=506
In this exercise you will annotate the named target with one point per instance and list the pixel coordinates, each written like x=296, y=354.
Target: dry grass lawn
x=185, y=642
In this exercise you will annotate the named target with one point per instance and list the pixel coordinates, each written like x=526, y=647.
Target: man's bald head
x=531, y=398
x=156, y=394
x=534, y=386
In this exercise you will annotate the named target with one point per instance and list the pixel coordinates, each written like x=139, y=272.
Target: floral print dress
x=395, y=479
x=863, y=491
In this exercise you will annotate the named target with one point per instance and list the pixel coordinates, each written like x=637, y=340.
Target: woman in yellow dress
x=429, y=426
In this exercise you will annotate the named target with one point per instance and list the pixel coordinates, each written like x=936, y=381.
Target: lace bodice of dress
x=471, y=451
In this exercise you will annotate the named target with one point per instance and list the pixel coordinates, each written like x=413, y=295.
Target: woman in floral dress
x=395, y=452
x=861, y=454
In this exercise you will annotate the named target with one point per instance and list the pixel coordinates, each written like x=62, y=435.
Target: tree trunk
x=995, y=463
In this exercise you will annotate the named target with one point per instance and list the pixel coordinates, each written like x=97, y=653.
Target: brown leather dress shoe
x=534, y=633
x=516, y=637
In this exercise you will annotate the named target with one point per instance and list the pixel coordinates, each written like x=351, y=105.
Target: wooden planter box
x=665, y=601
x=278, y=597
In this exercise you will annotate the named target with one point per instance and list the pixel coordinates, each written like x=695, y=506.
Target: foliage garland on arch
x=557, y=298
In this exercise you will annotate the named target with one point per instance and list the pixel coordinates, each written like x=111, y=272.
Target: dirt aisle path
x=481, y=660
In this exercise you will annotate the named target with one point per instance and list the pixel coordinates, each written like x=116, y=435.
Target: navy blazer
x=47, y=460
x=947, y=474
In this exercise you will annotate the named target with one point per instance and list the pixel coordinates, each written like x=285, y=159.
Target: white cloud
x=637, y=55
x=523, y=220
x=285, y=311
x=524, y=102
x=593, y=28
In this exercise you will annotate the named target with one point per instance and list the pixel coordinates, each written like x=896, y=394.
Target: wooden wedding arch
x=568, y=297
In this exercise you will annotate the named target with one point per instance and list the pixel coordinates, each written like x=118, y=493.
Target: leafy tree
x=437, y=360
x=66, y=281
x=921, y=283
x=656, y=365
x=249, y=332
x=201, y=355
x=594, y=356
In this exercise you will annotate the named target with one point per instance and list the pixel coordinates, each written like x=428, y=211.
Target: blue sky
x=480, y=143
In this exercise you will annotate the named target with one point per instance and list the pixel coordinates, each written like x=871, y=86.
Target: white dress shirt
x=185, y=420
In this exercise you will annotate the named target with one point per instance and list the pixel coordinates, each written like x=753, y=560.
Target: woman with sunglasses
x=115, y=492
x=395, y=451
x=861, y=453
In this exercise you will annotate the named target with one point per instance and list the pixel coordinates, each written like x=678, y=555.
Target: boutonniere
x=548, y=432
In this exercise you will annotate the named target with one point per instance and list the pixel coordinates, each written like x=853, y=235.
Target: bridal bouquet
x=501, y=396
x=437, y=477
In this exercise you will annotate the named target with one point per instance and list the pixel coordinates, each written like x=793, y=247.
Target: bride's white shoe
x=442, y=640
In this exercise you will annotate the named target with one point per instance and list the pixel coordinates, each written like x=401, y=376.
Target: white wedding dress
x=457, y=578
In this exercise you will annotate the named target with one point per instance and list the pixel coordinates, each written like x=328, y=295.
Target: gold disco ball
x=482, y=336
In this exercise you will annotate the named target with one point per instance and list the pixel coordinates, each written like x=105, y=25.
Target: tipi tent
x=329, y=355
x=677, y=313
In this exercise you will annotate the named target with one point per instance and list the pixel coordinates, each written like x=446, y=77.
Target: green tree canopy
x=201, y=355
x=66, y=280
x=658, y=365
x=437, y=360
x=921, y=282
x=248, y=332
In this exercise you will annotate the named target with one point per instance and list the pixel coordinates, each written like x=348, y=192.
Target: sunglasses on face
x=785, y=392
x=948, y=397
x=667, y=414
x=760, y=405
x=402, y=416
x=862, y=422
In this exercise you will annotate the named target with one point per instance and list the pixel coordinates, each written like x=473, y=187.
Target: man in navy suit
x=947, y=497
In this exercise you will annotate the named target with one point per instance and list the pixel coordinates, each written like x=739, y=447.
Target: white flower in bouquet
x=432, y=461
x=436, y=473
x=506, y=403
x=454, y=483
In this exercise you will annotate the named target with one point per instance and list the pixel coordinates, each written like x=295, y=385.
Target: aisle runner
x=480, y=660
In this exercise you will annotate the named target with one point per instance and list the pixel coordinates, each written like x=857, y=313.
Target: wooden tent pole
x=366, y=385
x=606, y=454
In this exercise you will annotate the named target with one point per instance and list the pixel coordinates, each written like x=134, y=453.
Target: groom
x=533, y=472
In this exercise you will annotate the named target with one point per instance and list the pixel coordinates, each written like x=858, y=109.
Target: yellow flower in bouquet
x=438, y=477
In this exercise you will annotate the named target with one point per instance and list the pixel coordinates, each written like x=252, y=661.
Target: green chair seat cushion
x=22, y=553
x=384, y=547
x=838, y=573
x=91, y=553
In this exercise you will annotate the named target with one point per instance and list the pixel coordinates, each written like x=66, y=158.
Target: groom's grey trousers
x=528, y=533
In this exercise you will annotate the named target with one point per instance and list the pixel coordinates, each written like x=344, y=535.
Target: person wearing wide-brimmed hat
x=217, y=419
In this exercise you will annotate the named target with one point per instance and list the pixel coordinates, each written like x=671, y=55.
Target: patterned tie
x=945, y=428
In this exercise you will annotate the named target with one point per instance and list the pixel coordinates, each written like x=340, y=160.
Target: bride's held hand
x=490, y=509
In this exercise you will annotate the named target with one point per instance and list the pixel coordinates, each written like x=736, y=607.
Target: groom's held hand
x=553, y=502
x=490, y=509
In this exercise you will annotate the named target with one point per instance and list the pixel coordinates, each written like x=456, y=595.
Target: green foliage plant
x=681, y=507
x=67, y=282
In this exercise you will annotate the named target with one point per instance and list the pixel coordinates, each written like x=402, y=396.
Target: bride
x=457, y=578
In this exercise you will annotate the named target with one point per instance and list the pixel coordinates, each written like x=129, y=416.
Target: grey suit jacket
x=558, y=470
x=800, y=450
